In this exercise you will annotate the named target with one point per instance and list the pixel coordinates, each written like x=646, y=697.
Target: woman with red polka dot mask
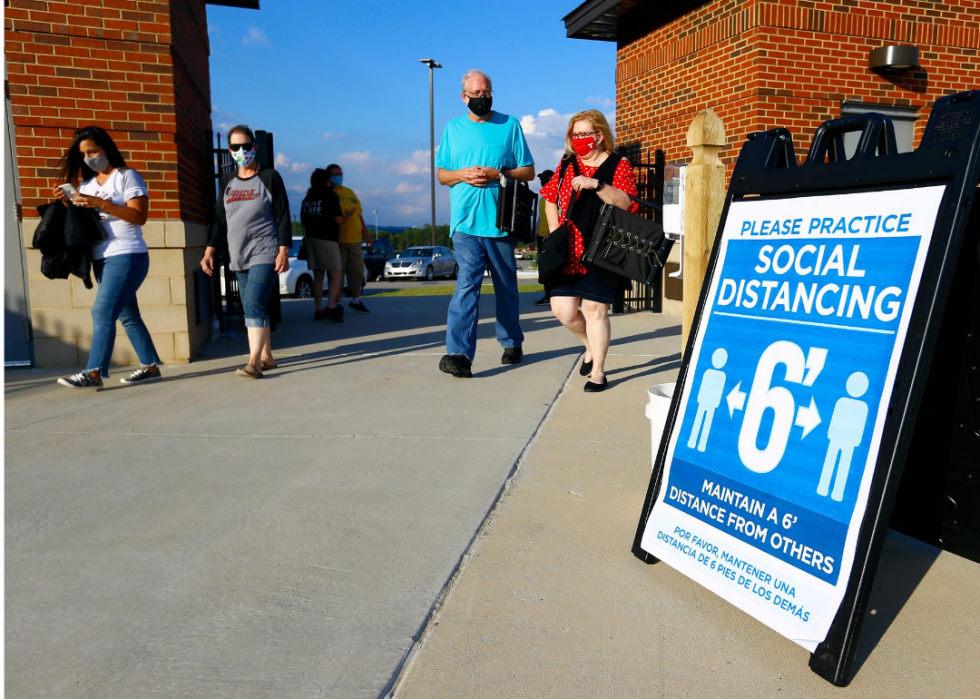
x=605, y=178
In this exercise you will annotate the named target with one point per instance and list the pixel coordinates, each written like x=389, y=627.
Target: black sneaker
x=457, y=365
x=543, y=301
x=320, y=315
x=359, y=307
x=512, y=355
x=83, y=379
x=336, y=314
x=145, y=374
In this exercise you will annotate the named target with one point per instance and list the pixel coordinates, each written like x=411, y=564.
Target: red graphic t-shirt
x=623, y=180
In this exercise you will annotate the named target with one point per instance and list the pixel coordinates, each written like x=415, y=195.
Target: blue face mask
x=337, y=180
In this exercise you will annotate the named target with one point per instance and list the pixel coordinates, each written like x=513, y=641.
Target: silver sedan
x=423, y=262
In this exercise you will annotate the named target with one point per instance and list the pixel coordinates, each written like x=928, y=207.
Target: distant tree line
x=408, y=238
x=412, y=237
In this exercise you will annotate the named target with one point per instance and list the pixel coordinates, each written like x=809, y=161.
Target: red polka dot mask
x=584, y=146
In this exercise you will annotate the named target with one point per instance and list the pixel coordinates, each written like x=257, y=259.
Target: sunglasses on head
x=235, y=146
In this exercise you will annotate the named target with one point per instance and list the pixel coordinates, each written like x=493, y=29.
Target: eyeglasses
x=585, y=134
x=485, y=93
x=233, y=147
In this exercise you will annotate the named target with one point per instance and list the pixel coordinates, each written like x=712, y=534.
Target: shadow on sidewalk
x=903, y=565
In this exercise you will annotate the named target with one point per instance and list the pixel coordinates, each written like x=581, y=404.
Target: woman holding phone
x=253, y=216
x=121, y=261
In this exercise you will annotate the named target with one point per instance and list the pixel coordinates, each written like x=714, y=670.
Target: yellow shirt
x=350, y=232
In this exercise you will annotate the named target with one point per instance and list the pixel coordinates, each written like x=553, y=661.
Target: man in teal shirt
x=476, y=149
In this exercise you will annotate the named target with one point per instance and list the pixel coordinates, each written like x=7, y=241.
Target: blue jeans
x=119, y=277
x=474, y=254
x=255, y=288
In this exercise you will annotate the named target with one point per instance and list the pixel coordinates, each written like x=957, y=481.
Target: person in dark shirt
x=321, y=217
x=253, y=215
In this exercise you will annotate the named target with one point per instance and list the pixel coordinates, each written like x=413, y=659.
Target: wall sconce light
x=893, y=59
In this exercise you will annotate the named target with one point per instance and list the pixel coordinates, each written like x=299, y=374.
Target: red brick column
x=140, y=70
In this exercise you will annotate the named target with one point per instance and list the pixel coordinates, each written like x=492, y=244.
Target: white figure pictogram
x=709, y=398
x=845, y=433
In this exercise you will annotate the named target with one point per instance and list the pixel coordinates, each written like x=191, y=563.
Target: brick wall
x=766, y=63
x=140, y=70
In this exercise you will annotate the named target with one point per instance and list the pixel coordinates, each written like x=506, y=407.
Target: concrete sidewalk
x=551, y=602
x=214, y=536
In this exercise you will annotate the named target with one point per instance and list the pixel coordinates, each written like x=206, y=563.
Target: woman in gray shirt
x=252, y=213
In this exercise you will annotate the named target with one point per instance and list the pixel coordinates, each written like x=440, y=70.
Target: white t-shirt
x=124, y=238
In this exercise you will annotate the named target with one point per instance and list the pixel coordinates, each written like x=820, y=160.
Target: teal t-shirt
x=497, y=142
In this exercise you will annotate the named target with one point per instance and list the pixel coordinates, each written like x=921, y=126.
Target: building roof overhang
x=623, y=21
x=244, y=4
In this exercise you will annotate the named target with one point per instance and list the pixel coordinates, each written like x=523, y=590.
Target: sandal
x=249, y=371
x=269, y=365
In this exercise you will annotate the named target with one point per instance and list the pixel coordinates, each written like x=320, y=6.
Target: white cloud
x=409, y=210
x=327, y=135
x=600, y=102
x=416, y=164
x=547, y=124
x=224, y=126
x=256, y=36
x=359, y=160
x=297, y=188
x=286, y=163
x=405, y=187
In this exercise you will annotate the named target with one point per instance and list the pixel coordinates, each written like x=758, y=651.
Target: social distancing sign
x=771, y=455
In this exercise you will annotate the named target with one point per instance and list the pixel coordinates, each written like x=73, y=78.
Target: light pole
x=432, y=144
x=375, y=224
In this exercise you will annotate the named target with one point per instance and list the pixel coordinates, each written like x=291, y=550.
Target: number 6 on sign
x=764, y=396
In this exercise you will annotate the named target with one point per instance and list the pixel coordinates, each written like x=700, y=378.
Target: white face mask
x=99, y=163
x=243, y=157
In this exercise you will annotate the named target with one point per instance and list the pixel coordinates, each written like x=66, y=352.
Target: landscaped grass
x=447, y=290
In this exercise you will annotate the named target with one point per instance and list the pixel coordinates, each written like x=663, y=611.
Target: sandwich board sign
x=797, y=396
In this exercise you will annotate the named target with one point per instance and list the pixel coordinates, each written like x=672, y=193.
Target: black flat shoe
x=592, y=387
x=585, y=369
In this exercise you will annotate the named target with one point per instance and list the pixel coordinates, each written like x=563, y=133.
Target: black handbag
x=553, y=256
x=516, y=208
x=628, y=245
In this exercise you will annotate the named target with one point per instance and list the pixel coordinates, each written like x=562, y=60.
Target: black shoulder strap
x=573, y=161
x=607, y=171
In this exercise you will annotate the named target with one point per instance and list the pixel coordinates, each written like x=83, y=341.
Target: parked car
x=297, y=281
x=423, y=262
x=376, y=257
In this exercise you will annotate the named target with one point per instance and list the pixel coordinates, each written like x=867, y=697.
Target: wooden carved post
x=704, y=196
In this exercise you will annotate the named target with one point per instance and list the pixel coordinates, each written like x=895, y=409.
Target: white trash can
x=657, y=411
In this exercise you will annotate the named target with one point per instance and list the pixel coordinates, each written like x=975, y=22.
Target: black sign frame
x=948, y=154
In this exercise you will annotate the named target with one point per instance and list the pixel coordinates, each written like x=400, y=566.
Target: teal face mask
x=337, y=180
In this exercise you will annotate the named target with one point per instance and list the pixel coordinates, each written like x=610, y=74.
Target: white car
x=297, y=281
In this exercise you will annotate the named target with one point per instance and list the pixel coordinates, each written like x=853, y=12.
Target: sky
x=341, y=82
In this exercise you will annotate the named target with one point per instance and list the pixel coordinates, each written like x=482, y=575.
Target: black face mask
x=480, y=105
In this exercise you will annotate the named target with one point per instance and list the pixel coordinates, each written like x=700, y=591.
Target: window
x=903, y=118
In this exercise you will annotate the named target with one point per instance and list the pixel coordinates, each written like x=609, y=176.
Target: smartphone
x=69, y=190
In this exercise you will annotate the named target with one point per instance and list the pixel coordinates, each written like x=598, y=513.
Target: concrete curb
x=432, y=619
